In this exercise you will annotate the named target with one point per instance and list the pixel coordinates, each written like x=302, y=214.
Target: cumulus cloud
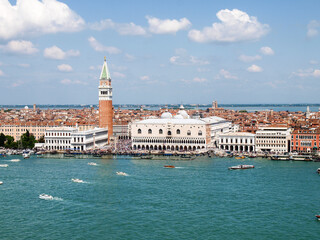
x=307, y=73
x=313, y=28
x=24, y=65
x=101, y=48
x=199, y=80
x=1, y=73
x=65, y=68
x=19, y=47
x=121, y=28
x=145, y=78
x=167, y=26
x=118, y=75
x=69, y=82
x=227, y=75
x=254, y=68
x=55, y=52
x=235, y=26
x=245, y=58
x=182, y=58
x=37, y=17
x=267, y=51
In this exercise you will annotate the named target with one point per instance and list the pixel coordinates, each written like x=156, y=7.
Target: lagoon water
x=200, y=199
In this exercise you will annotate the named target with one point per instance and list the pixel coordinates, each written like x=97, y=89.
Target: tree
x=27, y=140
x=2, y=140
x=10, y=143
x=41, y=139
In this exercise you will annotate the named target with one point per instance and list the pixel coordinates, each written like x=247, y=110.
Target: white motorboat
x=15, y=160
x=26, y=155
x=4, y=165
x=77, y=180
x=240, y=167
x=1, y=182
x=122, y=174
x=45, y=196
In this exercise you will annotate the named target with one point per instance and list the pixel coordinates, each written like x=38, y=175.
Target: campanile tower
x=105, y=100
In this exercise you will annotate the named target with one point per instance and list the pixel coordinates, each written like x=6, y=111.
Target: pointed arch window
x=200, y=133
x=139, y=131
x=178, y=131
x=160, y=131
x=149, y=131
x=189, y=133
x=169, y=133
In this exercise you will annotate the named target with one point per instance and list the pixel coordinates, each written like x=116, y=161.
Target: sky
x=160, y=52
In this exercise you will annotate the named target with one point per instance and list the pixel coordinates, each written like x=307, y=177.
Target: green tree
x=2, y=140
x=27, y=140
x=10, y=143
x=41, y=139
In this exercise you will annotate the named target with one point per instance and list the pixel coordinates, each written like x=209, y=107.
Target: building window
x=169, y=133
x=189, y=133
x=200, y=133
x=139, y=131
x=178, y=131
x=160, y=131
x=149, y=131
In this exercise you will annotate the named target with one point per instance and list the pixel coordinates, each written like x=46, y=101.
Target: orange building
x=304, y=140
x=105, y=100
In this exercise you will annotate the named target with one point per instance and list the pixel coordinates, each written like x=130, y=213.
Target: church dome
x=178, y=116
x=184, y=114
x=166, y=115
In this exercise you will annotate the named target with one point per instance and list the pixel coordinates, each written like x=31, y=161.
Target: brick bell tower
x=105, y=100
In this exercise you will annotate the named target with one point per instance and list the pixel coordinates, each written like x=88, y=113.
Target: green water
x=200, y=199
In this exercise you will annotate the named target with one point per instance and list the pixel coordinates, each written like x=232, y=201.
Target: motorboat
x=77, y=180
x=92, y=163
x=240, y=157
x=1, y=182
x=4, y=165
x=169, y=166
x=146, y=157
x=318, y=170
x=45, y=196
x=318, y=217
x=241, y=167
x=15, y=160
x=26, y=155
x=122, y=174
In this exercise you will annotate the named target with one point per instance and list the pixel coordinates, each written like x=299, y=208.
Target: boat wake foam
x=122, y=174
x=92, y=164
x=4, y=165
x=77, y=180
x=49, y=197
x=14, y=160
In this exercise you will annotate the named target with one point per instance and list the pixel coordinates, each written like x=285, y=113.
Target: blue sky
x=51, y=52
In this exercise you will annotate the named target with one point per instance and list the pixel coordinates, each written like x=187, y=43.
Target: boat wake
x=49, y=197
x=4, y=165
x=92, y=164
x=77, y=180
x=122, y=174
x=14, y=160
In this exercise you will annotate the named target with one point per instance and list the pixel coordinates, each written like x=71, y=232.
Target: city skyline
x=160, y=52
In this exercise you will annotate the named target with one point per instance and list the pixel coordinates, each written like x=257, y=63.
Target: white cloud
x=235, y=26
x=245, y=58
x=37, y=17
x=129, y=57
x=121, y=28
x=227, y=75
x=145, y=78
x=313, y=28
x=1, y=73
x=20, y=47
x=307, y=73
x=267, y=51
x=24, y=65
x=118, y=75
x=55, y=52
x=101, y=48
x=254, y=68
x=313, y=62
x=199, y=80
x=183, y=59
x=69, y=82
x=65, y=68
x=167, y=26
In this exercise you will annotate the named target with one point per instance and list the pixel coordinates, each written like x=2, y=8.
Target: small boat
x=15, y=160
x=318, y=217
x=240, y=157
x=241, y=167
x=146, y=157
x=318, y=170
x=26, y=155
x=92, y=164
x=45, y=196
x=122, y=174
x=4, y=165
x=169, y=166
x=77, y=180
x=1, y=182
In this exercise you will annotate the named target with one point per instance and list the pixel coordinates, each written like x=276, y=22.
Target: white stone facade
x=273, y=139
x=238, y=141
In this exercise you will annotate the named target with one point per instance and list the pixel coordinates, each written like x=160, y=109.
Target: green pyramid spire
x=105, y=71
